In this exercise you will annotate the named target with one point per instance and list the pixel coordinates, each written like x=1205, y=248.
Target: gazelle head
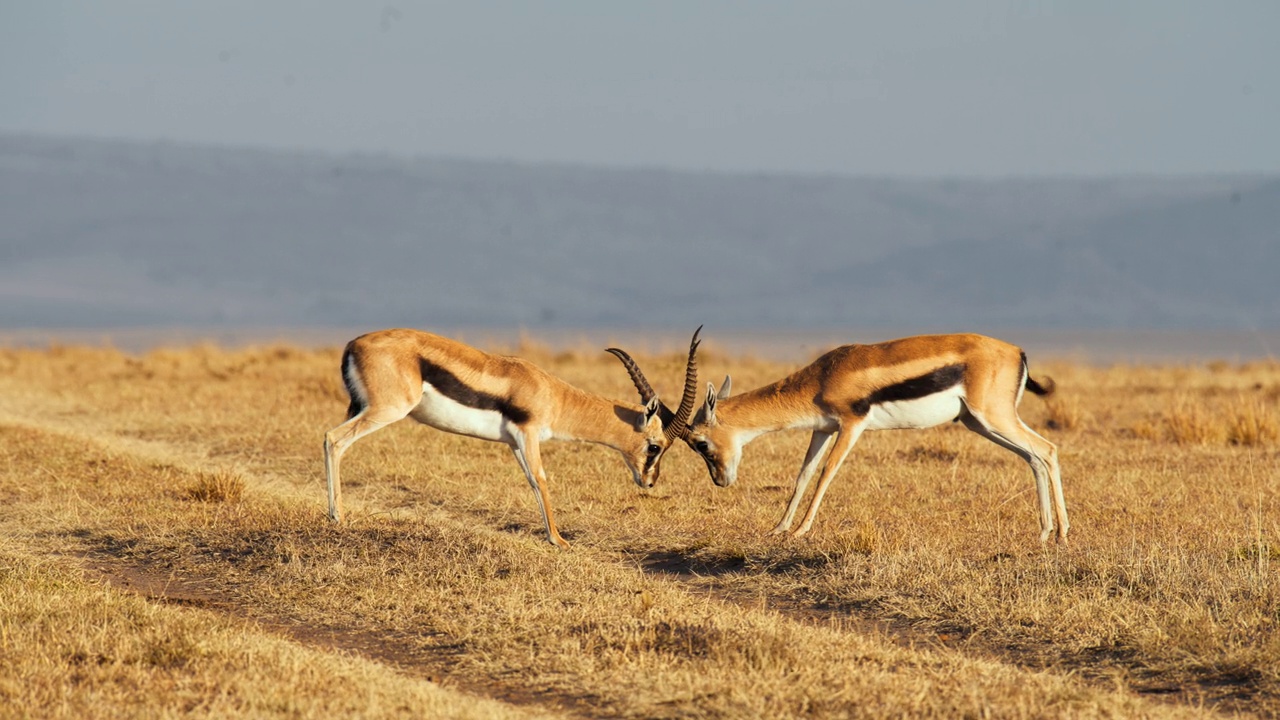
x=719, y=446
x=658, y=426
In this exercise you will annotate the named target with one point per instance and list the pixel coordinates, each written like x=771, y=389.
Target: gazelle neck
x=588, y=417
x=779, y=406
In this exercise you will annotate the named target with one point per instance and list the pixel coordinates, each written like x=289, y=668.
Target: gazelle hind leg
x=339, y=439
x=844, y=442
x=529, y=455
x=1048, y=454
x=818, y=444
x=1012, y=437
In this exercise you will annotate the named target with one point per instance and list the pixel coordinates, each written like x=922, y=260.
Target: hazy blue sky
x=915, y=88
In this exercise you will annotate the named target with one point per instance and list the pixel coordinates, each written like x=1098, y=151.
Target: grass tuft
x=1147, y=429
x=865, y=539
x=1247, y=422
x=1251, y=423
x=1064, y=412
x=221, y=486
x=1189, y=423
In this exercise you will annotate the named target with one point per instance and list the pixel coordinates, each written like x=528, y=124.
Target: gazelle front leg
x=818, y=444
x=529, y=455
x=845, y=439
x=339, y=439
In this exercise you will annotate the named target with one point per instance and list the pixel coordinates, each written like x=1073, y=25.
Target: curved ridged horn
x=680, y=423
x=642, y=386
x=637, y=377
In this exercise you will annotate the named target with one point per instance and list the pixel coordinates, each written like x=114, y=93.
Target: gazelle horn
x=674, y=424
x=680, y=423
x=637, y=377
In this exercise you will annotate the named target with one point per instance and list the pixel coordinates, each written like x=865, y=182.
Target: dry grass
x=1190, y=423
x=1252, y=422
x=225, y=486
x=73, y=647
x=1247, y=420
x=165, y=553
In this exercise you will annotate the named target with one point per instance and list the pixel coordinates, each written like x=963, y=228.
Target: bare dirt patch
x=425, y=654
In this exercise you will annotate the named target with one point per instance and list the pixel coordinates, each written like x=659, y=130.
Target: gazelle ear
x=724, y=389
x=651, y=408
x=711, y=403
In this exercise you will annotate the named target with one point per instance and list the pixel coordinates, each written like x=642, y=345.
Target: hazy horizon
x=110, y=234
x=1098, y=347
x=375, y=156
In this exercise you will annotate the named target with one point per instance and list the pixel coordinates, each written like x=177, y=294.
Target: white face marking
x=445, y=414
x=922, y=412
x=727, y=456
x=731, y=457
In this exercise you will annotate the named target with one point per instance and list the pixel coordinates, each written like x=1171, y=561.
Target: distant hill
x=108, y=233
x=1196, y=263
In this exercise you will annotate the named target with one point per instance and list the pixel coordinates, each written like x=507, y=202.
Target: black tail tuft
x=1045, y=386
x=357, y=406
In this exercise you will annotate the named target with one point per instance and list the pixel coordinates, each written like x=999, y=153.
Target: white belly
x=922, y=412
x=442, y=413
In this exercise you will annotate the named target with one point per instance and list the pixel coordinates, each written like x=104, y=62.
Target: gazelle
x=393, y=374
x=914, y=382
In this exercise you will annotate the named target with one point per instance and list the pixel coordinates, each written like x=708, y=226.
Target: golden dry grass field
x=164, y=552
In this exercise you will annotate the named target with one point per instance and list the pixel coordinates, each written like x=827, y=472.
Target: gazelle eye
x=654, y=450
x=702, y=446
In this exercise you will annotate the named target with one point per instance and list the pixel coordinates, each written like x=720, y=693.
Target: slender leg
x=339, y=439
x=818, y=444
x=1048, y=454
x=331, y=479
x=1012, y=437
x=844, y=441
x=529, y=456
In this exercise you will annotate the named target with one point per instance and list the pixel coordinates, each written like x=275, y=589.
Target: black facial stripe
x=913, y=389
x=711, y=465
x=650, y=459
x=448, y=385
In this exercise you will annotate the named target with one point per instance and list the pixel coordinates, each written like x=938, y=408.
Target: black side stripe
x=936, y=381
x=448, y=385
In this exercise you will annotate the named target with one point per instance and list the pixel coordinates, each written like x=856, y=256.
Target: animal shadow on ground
x=704, y=563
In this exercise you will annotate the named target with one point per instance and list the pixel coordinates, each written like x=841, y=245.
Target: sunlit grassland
x=163, y=525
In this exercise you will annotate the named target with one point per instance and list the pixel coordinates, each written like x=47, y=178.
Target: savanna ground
x=164, y=551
